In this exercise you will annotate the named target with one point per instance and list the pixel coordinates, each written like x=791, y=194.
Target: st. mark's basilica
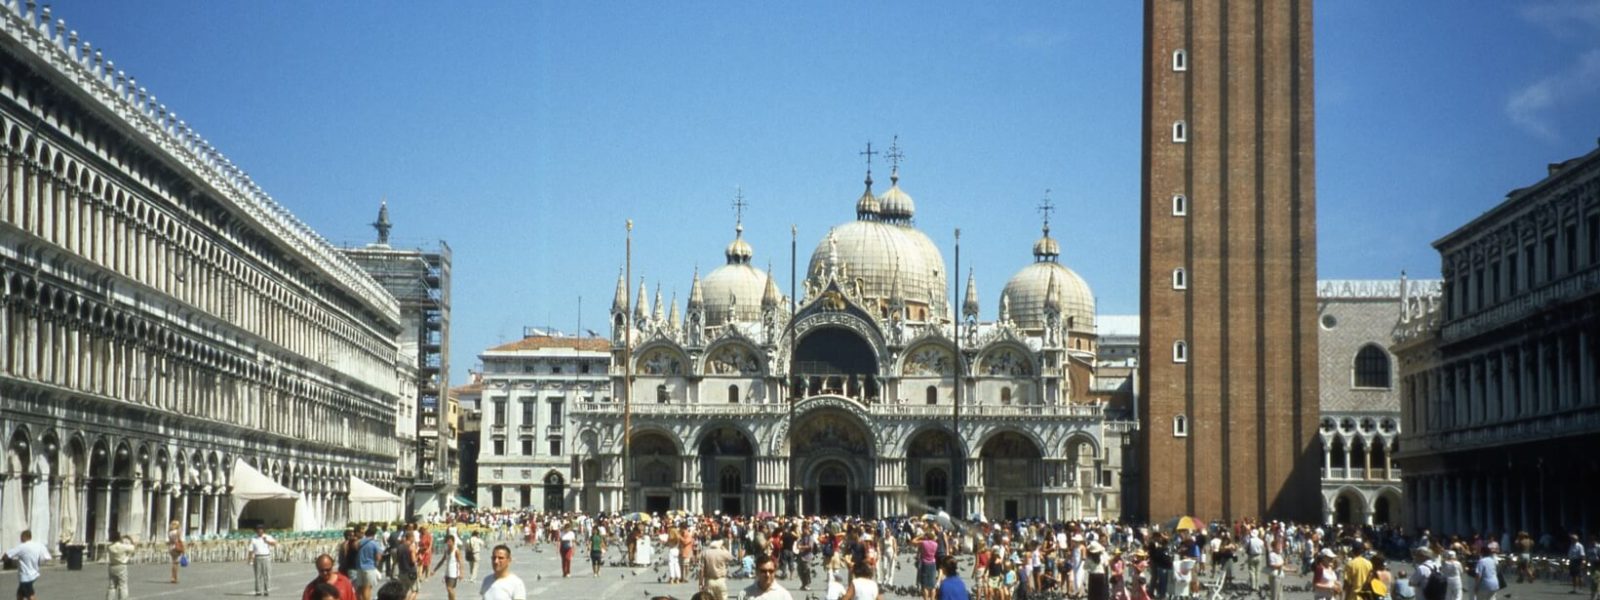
x=871, y=395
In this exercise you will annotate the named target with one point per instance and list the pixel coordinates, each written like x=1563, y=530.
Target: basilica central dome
x=880, y=249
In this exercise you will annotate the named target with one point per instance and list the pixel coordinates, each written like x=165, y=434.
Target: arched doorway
x=726, y=459
x=591, y=486
x=834, y=360
x=555, y=492
x=931, y=457
x=654, y=476
x=1012, y=476
x=833, y=490
x=1341, y=510
x=837, y=462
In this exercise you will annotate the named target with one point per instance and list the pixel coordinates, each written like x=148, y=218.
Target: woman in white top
x=862, y=587
x=1451, y=568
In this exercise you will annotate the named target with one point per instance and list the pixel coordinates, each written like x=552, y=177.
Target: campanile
x=1228, y=372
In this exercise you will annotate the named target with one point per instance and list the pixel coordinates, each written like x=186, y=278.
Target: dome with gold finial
x=1031, y=295
x=733, y=291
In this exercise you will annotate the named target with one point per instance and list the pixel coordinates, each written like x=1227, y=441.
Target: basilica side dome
x=733, y=291
x=1029, y=291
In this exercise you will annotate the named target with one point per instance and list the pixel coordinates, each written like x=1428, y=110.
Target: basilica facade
x=869, y=394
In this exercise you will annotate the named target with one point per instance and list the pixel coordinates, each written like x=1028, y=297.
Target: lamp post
x=627, y=373
x=958, y=466
x=794, y=500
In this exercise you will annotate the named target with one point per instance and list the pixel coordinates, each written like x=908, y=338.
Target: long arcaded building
x=164, y=320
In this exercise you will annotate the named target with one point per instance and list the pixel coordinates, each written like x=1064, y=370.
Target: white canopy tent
x=257, y=497
x=370, y=503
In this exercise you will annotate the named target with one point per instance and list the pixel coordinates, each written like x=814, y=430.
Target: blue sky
x=524, y=134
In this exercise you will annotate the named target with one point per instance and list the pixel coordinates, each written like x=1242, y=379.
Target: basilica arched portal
x=655, y=471
x=931, y=469
x=838, y=361
x=1013, y=478
x=726, y=460
x=834, y=452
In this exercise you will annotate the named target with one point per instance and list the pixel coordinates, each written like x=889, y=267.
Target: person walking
x=258, y=554
x=118, y=555
x=450, y=562
x=405, y=565
x=175, y=547
x=597, y=549
x=473, y=548
x=569, y=539
x=1486, y=576
x=1357, y=571
x=329, y=576
x=1452, y=570
x=368, y=553
x=28, y=555
x=714, y=570
x=1575, y=563
x=504, y=585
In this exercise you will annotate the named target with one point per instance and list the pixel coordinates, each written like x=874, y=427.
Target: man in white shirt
x=1254, y=548
x=28, y=555
x=259, y=555
x=504, y=585
x=766, y=586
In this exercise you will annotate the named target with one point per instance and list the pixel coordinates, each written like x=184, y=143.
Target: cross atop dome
x=1045, y=208
x=738, y=207
x=869, y=153
x=895, y=156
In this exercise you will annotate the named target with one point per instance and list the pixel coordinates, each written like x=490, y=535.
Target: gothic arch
x=729, y=356
x=1032, y=436
x=661, y=358
x=994, y=361
x=929, y=356
x=1075, y=439
x=902, y=446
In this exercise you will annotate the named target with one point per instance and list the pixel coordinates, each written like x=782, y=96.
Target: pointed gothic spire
x=675, y=320
x=697, y=297
x=896, y=299
x=1005, y=307
x=970, y=307
x=641, y=308
x=382, y=224
x=1052, y=295
x=770, y=297
x=660, y=312
x=619, y=304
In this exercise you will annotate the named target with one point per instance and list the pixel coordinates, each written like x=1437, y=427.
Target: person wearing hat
x=1452, y=570
x=1426, y=565
x=1324, y=579
x=714, y=570
x=1094, y=565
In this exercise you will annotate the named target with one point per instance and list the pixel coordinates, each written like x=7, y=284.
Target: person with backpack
x=1427, y=577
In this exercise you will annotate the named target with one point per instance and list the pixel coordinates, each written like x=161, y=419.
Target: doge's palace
x=164, y=319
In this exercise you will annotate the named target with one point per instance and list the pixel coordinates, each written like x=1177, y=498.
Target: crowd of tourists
x=838, y=558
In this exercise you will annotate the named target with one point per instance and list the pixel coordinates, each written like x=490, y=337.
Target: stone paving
x=540, y=568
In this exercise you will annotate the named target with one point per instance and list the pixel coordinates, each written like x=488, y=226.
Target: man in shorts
x=28, y=555
x=450, y=565
x=368, y=553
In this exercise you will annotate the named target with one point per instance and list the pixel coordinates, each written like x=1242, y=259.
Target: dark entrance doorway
x=833, y=360
x=1012, y=510
x=657, y=504
x=555, y=493
x=833, y=490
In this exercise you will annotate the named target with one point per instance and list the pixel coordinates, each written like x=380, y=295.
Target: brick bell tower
x=1228, y=372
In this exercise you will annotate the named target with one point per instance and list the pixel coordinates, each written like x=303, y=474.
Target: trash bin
x=73, y=554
